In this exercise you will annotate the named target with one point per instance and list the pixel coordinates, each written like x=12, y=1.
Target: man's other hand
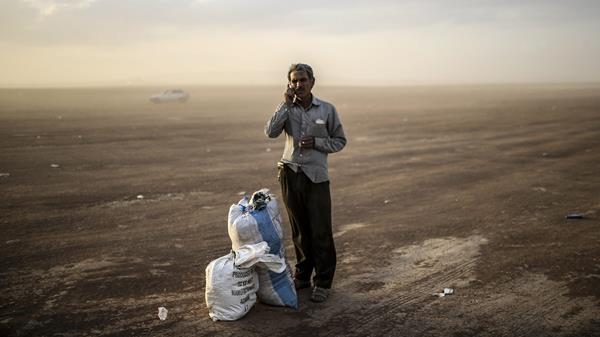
x=307, y=142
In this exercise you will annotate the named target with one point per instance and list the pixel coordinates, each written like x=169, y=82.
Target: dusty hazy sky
x=376, y=42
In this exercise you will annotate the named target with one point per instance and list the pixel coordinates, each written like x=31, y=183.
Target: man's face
x=301, y=83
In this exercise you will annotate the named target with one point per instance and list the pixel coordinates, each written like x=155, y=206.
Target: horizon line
x=233, y=85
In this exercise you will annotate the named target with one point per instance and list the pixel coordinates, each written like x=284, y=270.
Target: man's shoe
x=319, y=295
x=301, y=284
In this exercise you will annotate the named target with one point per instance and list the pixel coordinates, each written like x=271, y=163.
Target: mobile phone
x=295, y=98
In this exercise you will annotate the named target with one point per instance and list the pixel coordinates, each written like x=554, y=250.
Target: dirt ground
x=462, y=187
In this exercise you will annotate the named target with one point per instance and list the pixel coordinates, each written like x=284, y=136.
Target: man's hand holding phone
x=290, y=95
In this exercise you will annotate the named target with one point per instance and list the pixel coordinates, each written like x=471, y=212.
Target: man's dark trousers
x=309, y=209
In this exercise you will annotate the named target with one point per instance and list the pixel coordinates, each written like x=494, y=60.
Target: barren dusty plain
x=464, y=187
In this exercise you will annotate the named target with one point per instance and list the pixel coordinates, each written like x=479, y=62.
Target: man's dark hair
x=301, y=67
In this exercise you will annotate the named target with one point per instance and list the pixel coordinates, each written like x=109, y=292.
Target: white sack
x=232, y=281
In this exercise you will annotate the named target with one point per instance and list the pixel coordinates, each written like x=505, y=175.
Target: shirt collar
x=315, y=100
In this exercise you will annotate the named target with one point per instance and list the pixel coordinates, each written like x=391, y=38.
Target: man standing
x=312, y=130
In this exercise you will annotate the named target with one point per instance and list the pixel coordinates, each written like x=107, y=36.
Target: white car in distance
x=175, y=95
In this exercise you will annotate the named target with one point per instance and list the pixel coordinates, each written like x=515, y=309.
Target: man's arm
x=336, y=140
x=276, y=124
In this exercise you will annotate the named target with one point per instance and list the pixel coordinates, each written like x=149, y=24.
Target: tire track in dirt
x=528, y=311
x=414, y=273
x=378, y=297
x=397, y=299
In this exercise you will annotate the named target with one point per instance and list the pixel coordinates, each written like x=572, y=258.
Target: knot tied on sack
x=259, y=200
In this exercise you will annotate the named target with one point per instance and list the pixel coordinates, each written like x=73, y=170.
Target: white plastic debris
x=575, y=215
x=445, y=292
x=54, y=165
x=387, y=201
x=268, y=149
x=139, y=196
x=162, y=313
x=242, y=193
x=4, y=175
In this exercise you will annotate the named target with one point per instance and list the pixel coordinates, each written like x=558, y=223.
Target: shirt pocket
x=319, y=129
